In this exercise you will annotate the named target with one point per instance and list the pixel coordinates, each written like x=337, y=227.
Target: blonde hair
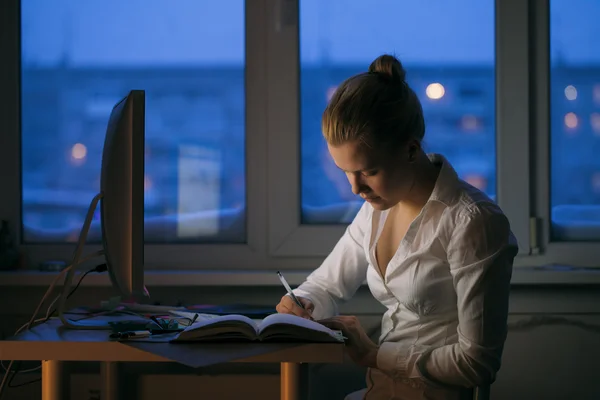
x=377, y=108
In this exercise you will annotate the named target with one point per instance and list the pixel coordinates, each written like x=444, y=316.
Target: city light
x=596, y=182
x=147, y=183
x=570, y=92
x=595, y=121
x=78, y=154
x=571, y=120
x=596, y=93
x=435, y=91
x=470, y=123
x=79, y=151
x=476, y=180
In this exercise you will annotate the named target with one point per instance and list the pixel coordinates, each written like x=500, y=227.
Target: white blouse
x=446, y=288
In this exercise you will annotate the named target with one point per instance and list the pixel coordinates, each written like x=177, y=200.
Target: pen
x=130, y=334
x=289, y=290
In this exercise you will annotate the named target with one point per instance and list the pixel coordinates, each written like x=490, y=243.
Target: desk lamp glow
x=121, y=208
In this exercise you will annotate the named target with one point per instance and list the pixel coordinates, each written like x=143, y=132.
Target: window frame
x=546, y=251
x=251, y=255
x=276, y=239
x=289, y=237
x=512, y=117
x=10, y=138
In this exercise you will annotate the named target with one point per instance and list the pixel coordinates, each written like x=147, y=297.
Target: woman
x=435, y=251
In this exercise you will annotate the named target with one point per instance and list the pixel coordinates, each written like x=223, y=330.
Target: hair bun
x=389, y=66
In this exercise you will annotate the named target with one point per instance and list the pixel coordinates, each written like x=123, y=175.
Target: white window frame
x=512, y=117
x=522, y=137
x=580, y=254
x=252, y=255
x=276, y=239
x=288, y=237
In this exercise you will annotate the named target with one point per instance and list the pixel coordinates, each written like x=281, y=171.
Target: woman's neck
x=425, y=177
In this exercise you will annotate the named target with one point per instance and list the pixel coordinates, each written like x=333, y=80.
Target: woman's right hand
x=288, y=306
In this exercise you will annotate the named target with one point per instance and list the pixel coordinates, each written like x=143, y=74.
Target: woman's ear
x=413, y=150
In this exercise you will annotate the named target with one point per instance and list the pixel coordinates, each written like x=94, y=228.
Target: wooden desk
x=53, y=344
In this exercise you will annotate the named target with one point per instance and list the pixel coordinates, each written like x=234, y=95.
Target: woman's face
x=381, y=178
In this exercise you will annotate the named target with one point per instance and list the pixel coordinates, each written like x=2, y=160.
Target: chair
x=481, y=393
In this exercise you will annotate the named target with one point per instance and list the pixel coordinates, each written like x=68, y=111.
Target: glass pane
x=447, y=48
x=81, y=57
x=575, y=119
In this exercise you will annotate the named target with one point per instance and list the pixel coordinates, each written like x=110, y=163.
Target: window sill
x=165, y=278
x=551, y=275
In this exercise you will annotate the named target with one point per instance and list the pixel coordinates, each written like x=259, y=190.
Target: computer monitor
x=122, y=188
x=121, y=208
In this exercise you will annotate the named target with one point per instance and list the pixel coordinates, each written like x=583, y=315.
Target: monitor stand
x=149, y=308
x=80, y=324
x=86, y=324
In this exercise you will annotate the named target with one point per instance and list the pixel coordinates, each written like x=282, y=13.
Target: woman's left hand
x=360, y=347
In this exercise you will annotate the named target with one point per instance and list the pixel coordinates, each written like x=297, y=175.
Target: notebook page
x=221, y=320
x=189, y=316
x=290, y=319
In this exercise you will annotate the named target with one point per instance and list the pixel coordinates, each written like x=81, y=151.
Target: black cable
x=99, y=268
x=14, y=373
x=15, y=370
x=24, y=383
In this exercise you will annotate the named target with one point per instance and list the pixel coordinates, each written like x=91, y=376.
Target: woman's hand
x=360, y=347
x=288, y=306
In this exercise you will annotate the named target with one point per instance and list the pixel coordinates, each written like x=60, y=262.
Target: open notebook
x=275, y=327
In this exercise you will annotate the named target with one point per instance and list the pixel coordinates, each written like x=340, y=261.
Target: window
x=575, y=120
x=447, y=49
x=80, y=58
x=237, y=172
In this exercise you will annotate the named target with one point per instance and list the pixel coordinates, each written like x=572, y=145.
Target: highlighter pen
x=289, y=290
